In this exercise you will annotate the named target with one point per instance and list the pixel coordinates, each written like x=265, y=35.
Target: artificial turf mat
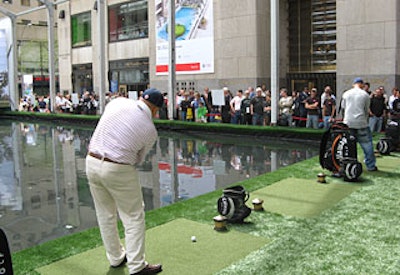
x=171, y=245
x=301, y=197
x=387, y=163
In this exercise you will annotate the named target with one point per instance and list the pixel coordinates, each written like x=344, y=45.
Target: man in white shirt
x=59, y=102
x=285, y=107
x=356, y=103
x=236, y=104
x=178, y=99
x=123, y=136
x=393, y=97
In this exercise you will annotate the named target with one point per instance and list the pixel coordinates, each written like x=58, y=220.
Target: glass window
x=132, y=73
x=312, y=35
x=128, y=21
x=33, y=57
x=81, y=30
x=82, y=78
x=323, y=35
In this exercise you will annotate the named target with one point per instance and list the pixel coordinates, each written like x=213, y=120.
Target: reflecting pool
x=43, y=187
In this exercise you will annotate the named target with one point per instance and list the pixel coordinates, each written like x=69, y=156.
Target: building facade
x=31, y=42
x=320, y=42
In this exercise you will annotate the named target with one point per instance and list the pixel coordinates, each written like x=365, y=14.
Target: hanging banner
x=194, y=30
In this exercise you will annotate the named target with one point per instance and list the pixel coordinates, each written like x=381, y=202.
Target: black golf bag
x=5, y=255
x=232, y=204
x=338, y=152
x=391, y=141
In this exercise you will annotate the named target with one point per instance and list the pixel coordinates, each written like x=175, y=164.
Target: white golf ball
x=193, y=238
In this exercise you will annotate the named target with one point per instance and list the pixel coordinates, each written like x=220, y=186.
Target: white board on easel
x=133, y=95
x=218, y=97
x=74, y=99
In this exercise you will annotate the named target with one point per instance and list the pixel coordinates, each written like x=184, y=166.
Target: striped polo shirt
x=125, y=132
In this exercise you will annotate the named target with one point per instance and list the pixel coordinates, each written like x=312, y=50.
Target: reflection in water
x=43, y=187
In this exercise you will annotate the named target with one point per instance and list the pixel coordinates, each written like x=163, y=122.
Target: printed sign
x=218, y=97
x=194, y=31
x=133, y=95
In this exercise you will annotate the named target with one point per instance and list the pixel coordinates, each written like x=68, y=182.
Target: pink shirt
x=125, y=131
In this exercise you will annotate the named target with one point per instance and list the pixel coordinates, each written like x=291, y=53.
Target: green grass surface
x=171, y=245
x=357, y=235
x=301, y=198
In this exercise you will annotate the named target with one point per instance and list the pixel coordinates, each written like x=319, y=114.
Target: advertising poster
x=194, y=30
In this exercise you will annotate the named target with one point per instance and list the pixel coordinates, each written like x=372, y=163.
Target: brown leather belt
x=96, y=156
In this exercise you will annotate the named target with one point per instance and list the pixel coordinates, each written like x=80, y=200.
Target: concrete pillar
x=50, y=34
x=101, y=53
x=13, y=67
x=172, y=61
x=274, y=60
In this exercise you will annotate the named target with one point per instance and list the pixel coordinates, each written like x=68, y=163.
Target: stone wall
x=368, y=43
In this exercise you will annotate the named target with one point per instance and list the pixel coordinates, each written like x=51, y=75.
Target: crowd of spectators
x=85, y=104
x=298, y=108
x=306, y=108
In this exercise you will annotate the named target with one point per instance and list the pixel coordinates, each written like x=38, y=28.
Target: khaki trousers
x=116, y=191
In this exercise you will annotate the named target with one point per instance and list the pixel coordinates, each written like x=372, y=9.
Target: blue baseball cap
x=154, y=96
x=358, y=80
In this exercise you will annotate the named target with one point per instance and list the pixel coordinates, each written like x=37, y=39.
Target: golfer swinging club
x=121, y=140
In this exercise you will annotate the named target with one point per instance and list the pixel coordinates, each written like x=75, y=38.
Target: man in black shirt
x=245, y=109
x=312, y=106
x=257, y=105
x=377, y=111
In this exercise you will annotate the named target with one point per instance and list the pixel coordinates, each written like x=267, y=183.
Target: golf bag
x=338, y=152
x=232, y=204
x=5, y=256
x=391, y=140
